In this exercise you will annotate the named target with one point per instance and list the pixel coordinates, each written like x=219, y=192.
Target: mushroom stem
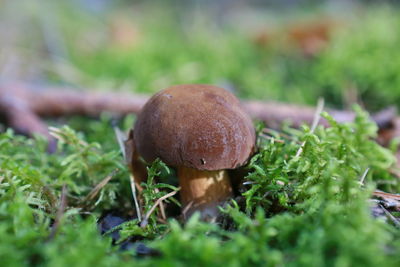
x=204, y=191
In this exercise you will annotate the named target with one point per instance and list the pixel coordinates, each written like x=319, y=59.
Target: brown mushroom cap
x=196, y=126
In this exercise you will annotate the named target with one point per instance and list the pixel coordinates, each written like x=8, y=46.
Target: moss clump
x=308, y=210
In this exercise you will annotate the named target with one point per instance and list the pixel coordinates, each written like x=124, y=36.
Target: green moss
x=300, y=211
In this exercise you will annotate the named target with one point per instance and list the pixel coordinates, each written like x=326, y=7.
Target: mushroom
x=202, y=131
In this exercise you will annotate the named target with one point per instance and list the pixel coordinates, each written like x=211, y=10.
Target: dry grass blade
x=133, y=189
x=60, y=213
x=271, y=137
x=363, y=176
x=186, y=209
x=146, y=217
x=317, y=117
x=162, y=208
x=127, y=147
x=89, y=198
x=121, y=137
x=271, y=132
x=59, y=135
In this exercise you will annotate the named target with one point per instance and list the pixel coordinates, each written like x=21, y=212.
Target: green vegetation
x=305, y=210
x=308, y=210
x=361, y=56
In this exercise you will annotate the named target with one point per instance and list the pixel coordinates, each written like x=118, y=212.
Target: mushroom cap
x=196, y=126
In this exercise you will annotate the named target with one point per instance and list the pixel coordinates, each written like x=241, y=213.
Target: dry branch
x=23, y=105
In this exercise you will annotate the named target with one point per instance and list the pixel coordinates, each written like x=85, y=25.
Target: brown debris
x=311, y=37
x=308, y=37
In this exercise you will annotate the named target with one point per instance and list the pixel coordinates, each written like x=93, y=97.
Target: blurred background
x=287, y=50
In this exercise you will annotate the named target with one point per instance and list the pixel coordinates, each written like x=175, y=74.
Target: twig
x=390, y=216
x=317, y=117
x=93, y=193
x=20, y=117
x=162, y=209
x=144, y=222
x=60, y=212
x=386, y=195
x=23, y=105
x=63, y=101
